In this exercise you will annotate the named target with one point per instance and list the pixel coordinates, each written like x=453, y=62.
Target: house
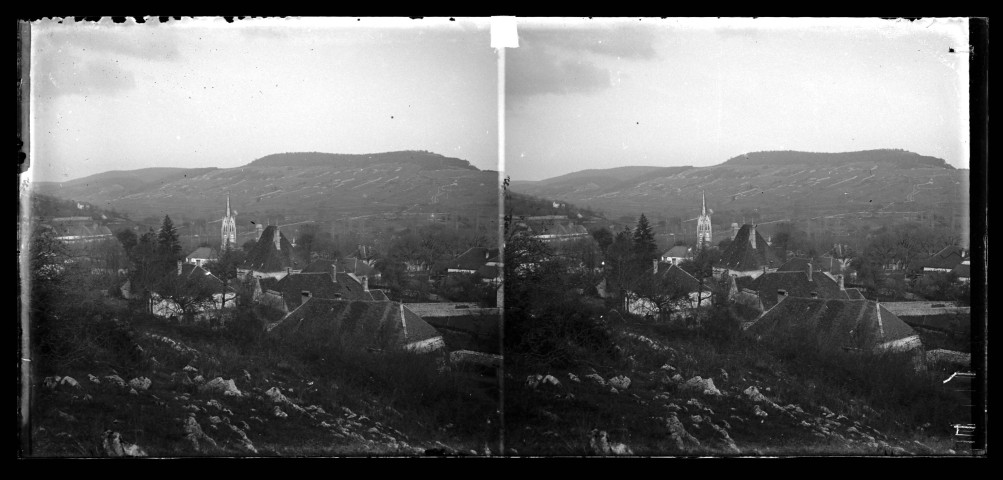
x=943, y=261
x=201, y=256
x=748, y=254
x=291, y=290
x=963, y=271
x=191, y=291
x=79, y=230
x=804, y=284
x=272, y=256
x=478, y=260
x=855, y=325
x=464, y=326
x=677, y=282
x=381, y=325
x=677, y=254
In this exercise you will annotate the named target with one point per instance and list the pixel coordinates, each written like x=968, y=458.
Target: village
x=727, y=294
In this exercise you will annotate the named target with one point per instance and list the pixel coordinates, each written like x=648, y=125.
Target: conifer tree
x=168, y=245
x=645, y=248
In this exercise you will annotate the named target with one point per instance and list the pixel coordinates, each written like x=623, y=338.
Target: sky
x=207, y=93
x=603, y=93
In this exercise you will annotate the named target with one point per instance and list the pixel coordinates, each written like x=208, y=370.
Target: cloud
x=552, y=60
x=71, y=75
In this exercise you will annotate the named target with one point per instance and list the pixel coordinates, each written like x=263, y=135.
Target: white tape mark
x=503, y=33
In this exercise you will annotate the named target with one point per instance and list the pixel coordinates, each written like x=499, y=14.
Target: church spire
x=703, y=198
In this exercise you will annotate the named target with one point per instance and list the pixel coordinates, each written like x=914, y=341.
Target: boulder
x=141, y=383
x=600, y=445
x=114, y=447
x=621, y=382
x=724, y=439
x=754, y=395
x=759, y=411
x=245, y=443
x=279, y=413
x=70, y=382
x=573, y=377
x=536, y=380
x=93, y=379
x=199, y=441
x=684, y=441
x=51, y=382
x=702, y=385
x=218, y=385
x=190, y=369
x=596, y=378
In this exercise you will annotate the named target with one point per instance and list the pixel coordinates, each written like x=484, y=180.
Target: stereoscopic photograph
x=500, y=237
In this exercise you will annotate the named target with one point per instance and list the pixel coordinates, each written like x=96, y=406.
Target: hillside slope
x=795, y=185
x=312, y=186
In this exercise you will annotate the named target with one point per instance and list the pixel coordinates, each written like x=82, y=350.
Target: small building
x=272, y=256
x=201, y=256
x=854, y=325
x=677, y=254
x=677, y=283
x=193, y=292
x=478, y=260
x=748, y=255
x=945, y=260
x=382, y=325
x=804, y=284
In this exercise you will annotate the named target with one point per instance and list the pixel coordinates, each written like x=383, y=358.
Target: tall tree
x=645, y=248
x=168, y=245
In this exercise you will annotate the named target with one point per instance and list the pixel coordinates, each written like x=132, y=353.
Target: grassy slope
x=557, y=420
x=360, y=414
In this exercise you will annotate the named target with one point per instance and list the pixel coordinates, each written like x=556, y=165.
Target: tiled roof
x=740, y=256
x=679, y=251
x=473, y=258
x=202, y=252
x=949, y=257
x=795, y=265
x=358, y=323
x=837, y=323
x=319, y=266
x=796, y=284
x=319, y=285
x=265, y=258
x=677, y=277
x=854, y=294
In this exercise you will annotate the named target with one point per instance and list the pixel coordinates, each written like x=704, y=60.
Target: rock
x=51, y=382
x=596, y=378
x=684, y=441
x=725, y=439
x=621, y=382
x=724, y=375
x=754, y=395
x=214, y=420
x=247, y=376
x=70, y=382
x=795, y=408
x=573, y=377
x=199, y=379
x=65, y=416
x=613, y=390
x=132, y=391
x=141, y=383
x=196, y=437
x=668, y=368
x=245, y=442
x=279, y=413
x=673, y=407
x=828, y=413
x=759, y=412
x=114, y=447
x=696, y=419
x=214, y=403
x=276, y=396
x=677, y=378
x=536, y=380
x=704, y=386
x=600, y=445
x=190, y=369
x=218, y=385
x=93, y=379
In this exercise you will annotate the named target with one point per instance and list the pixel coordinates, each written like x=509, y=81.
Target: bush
x=561, y=334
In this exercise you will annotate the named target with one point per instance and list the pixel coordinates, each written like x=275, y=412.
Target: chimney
x=841, y=287
x=306, y=294
x=752, y=237
x=781, y=292
x=365, y=284
x=278, y=238
x=179, y=267
x=814, y=294
x=809, y=271
x=654, y=266
x=289, y=270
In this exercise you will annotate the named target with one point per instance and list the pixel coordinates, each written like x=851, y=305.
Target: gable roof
x=948, y=257
x=194, y=273
x=265, y=258
x=859, y=324
x=678, y=278
x=797, y=285
x=359, y=323
x=202, y=252
x=679, y=251
x=473, y=258
x=740, y=256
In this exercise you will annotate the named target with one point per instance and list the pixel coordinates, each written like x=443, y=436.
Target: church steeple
x=229, y=227
x=703, y=223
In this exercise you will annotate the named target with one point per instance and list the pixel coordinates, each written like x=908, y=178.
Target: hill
x=300, y=186
x=773, y=186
